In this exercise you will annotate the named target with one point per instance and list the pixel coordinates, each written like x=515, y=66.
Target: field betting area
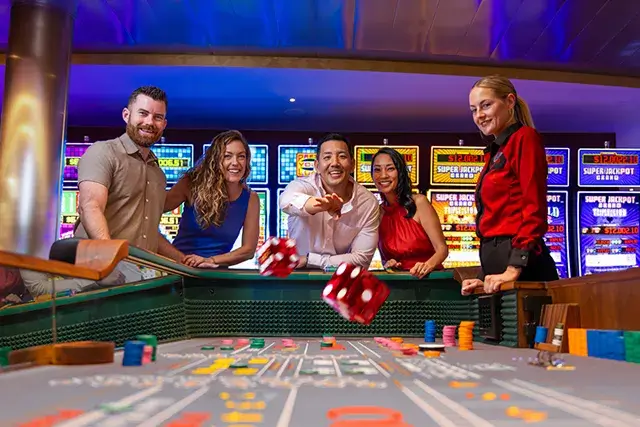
x=350, y=385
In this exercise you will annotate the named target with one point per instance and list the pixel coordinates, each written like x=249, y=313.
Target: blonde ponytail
x=522, y=112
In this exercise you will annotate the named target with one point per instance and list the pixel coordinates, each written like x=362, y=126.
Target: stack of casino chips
x=449, y=335
x=133, y=352
x=152, y=342
x=465, y=335
x=257, y=343
x=327, y=341
x=227, y=345
x=430, y=331
x=288, y=342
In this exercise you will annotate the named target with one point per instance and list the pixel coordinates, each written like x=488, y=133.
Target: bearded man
x=121, y=185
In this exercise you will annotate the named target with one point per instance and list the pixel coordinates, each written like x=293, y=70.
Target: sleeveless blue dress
x=192, y=239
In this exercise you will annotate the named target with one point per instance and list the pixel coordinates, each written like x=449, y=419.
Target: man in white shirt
x=332, y=218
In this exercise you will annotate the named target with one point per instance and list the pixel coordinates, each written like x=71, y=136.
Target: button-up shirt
x=136, y=190
x=328, y=242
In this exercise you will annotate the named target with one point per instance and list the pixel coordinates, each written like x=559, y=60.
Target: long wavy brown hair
x=209, y=194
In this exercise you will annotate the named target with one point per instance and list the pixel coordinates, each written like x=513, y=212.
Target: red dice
x=355, y=293
x=278, y=257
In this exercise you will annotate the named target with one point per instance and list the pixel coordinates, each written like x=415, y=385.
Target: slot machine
x=608, y=209
x=257, y=180
x=69, y=204
x=363, y=155
x=461, y=167
x=294, y=161
x=557, y=237
x=174, y=160
x=454, y=174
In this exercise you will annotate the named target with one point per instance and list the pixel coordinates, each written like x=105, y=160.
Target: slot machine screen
x=608, y=231
x=68, y=213
x=364, y=154
x=174, y=159
x=252, y=264
x=295, y=161
x=461, y=166
x=457, y=211
x=456, y=166
x=72, y=154
x=169, y=223
x=558, y=167
x=259, y=163
x=608, y=167
x=557, y=237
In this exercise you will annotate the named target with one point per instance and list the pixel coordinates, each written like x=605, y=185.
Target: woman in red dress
x=410, y=234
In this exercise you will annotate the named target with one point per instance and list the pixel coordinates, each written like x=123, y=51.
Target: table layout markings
x=241, y=349
x=458, y=369
x=266, y=348
x=378, y=367
x=336, y=366
x=372, y=352
x=357, y=349
x=283, y=367
x=464, y=413
x=581, y=403
x=287, y=410
x=296, y=374
x=306, y=347
x=164, y=415
x=587, y=415
x=93, y=416
x=187, y=366
x=265, y=368
x=444, y=371
x=432, y=412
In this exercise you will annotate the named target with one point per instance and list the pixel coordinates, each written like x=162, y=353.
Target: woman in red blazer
x=511, y=194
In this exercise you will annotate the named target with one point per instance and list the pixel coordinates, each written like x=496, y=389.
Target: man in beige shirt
x=122, y=188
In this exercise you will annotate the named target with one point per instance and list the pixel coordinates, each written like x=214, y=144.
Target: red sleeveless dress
x=403, y=239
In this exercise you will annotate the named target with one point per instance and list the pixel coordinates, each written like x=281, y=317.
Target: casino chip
x=133, y=353
x=430, y=331
x=207, y=347
x=431, y=347
x=465, y=335
x=239, y=364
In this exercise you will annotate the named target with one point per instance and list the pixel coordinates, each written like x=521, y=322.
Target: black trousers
x=495, y=253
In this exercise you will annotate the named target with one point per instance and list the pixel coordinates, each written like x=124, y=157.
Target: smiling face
x=385, y=174
x=492, y=114
x=234, y=162
x=334, y=163
x=146, y=120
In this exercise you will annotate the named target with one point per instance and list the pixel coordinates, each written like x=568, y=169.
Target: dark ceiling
x=601, y=36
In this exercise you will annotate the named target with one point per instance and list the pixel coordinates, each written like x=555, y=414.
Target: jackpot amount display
x=457, y=166
x=608, y=168
x=609, y=230
x=557, y=237
x=169, y=223
x=457, y=213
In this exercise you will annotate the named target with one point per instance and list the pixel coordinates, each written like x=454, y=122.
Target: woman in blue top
x=217, y=206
